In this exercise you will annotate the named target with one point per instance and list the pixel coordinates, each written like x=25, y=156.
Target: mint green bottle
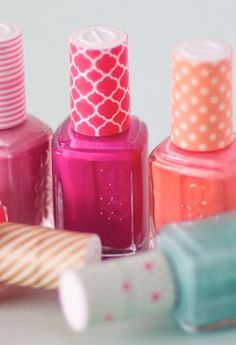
x=202, y=255
x=191, y=276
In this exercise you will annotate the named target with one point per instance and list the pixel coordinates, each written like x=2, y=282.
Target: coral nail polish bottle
x=25, y=180
x=193, y=173
x=100, y=151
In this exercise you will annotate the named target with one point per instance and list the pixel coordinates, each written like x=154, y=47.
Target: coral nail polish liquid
x=25, y=181
x=100, y=152
x=193, y=173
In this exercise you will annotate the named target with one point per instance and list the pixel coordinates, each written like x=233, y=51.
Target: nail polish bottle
x=193, y=173
x=190, y=276
x=100, y=152
x=24, y=140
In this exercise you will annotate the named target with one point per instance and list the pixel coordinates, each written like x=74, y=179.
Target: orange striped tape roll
x=35, y=256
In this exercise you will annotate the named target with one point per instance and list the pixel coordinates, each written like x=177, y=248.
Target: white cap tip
x=73, y=300
x=98, y=37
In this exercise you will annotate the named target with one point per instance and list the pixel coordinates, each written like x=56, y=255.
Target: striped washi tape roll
x=35, y=256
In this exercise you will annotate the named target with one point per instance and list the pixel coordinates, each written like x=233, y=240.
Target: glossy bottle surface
x=190, y=185
x=25, y=176
x=100, y=186
x=202, y=255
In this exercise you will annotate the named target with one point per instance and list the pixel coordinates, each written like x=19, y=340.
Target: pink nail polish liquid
x=100, y=152
x=193, y=173
x=25, y=182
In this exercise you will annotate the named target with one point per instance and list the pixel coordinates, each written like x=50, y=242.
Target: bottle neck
x=106, y=130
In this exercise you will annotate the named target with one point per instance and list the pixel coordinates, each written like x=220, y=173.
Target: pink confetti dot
x=126, y=286
x=148, y=266
x=108, y=317
x=155, y=296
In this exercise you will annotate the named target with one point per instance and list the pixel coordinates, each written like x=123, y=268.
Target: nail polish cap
x=125, y=288
x=202, y=95
x=3, y=213
x=12, y=83
x=99, y=81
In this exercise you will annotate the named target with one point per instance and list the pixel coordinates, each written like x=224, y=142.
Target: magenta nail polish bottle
x=100, y=151
x=25, y=182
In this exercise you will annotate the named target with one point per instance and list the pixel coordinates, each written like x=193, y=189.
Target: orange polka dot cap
x=201, y=95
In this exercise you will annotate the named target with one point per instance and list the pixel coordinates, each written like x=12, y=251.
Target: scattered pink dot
x=155, y=296
x=126, y=286
x=108, y=317
x=148, y=266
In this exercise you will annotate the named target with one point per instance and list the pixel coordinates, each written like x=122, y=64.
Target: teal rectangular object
x=202, y=255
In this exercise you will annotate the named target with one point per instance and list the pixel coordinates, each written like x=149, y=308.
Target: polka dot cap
x=117, y=290
x=99, y=81
x=202, y=95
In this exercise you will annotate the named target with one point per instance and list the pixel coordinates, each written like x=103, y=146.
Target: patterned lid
x=99, y=81
x=201, y=95
x=12, y=84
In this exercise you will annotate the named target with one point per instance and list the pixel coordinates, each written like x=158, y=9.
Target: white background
x=153, y=27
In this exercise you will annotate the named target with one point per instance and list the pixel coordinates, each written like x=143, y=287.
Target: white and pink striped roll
x=35, y=256
x=12, y=83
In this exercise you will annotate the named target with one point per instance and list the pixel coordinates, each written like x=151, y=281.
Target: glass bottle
x=25, y=179
x=100, y=152
x=193, y=173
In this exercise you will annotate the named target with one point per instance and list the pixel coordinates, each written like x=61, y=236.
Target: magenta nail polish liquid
x=100, y=151
x=25, y=181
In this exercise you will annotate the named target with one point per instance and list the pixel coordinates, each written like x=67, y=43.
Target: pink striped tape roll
x=12, y=83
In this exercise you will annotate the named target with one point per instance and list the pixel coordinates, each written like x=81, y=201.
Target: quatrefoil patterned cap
x=99, y=81
x=201, y=95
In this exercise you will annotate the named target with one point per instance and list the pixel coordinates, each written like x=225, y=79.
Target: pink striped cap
x=12, y=84
x=99, y=81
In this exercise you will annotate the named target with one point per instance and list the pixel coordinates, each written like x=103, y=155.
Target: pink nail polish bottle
x=100, y=151
x=193, y=173
x=24, y=140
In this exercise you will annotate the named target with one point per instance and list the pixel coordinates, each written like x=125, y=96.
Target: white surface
x=30, y=317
